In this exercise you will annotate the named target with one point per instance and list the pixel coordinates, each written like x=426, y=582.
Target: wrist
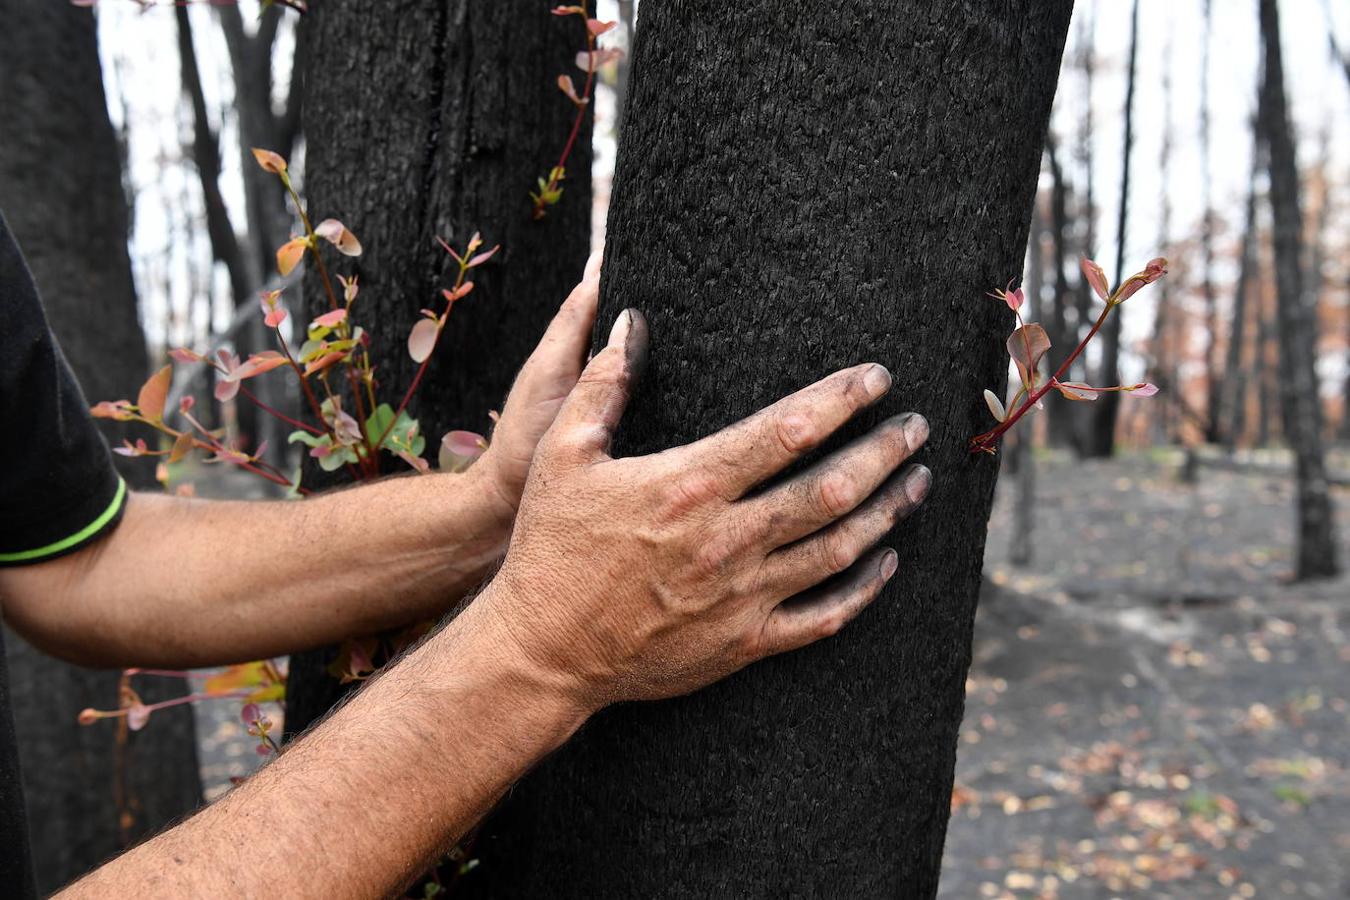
x=482, y=645
x=500, y=505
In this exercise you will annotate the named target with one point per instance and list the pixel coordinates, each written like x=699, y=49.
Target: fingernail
x=916, y=430
x=889, y=563
x=876, y=381
x=618, y=335
x=917, y=482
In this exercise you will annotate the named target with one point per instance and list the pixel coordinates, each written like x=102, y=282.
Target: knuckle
x=838, y=552
x=714, y=556
x=831, y=623
x=687, y=493
x=837, y=493
x=794, y=430
x=606, y=368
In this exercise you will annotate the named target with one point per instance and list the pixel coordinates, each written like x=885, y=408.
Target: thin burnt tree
x=432, y=121
x=800, y=188
x=1300, y=406
x=61, y=189
x=1100, y=440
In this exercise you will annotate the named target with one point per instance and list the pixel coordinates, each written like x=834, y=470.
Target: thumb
x=586, y=423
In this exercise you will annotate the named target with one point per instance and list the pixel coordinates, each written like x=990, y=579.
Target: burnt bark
x=61, y=188
x=1100, y=440
x=1300, y=406
x=800, y=188
x=433, y=119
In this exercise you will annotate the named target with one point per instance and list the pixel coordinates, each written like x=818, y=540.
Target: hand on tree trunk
x=652, y=576
x=544, y=382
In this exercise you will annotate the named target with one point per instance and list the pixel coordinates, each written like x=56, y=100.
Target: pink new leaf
x=566, y=85
x=184, y=355
x=459, y=449
x=270, y=162
x=422, y=339
x=483, y=257
x=597, y=28
x=332, y=318
x=1076, y=390
x=339, y=236
x=1095, y=277
x=290, y=254
x=153, y=394
x=1026, y=346
x=1144, y=389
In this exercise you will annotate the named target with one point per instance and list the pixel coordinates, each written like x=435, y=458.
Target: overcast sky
x=141, y=69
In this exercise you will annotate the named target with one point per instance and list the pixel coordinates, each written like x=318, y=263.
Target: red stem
x=986, y=440
x=280, y=415
x=581, y=114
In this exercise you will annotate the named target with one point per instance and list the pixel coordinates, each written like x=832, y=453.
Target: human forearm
x=373, y=795
x=189, y=583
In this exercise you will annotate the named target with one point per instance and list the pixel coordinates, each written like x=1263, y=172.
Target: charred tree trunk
x=1160, y=346
x=61, y=188
x=1233, y=405
x=1300, y=405
x=430, y=120
x=1087, y=50
x=1101, y=437
x=800, y=188
x=1061, y=414
x=1213, y=376
x=1021, y=551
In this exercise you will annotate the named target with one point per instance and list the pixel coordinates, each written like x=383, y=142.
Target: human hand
x=539, y=391
x=649, y=577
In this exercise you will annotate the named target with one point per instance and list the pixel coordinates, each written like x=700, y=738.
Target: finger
x=821, y=612
x=826, y=553
x=836, y=485
x=759, y=446
x=584, y=428
x=561, y=354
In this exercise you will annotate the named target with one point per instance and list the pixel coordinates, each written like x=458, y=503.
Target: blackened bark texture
x=800, y=188
x=426, y=118
x=1300, y=406
x=61, y=189
x=1100, y=440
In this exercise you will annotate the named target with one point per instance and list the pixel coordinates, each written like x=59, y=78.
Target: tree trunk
x=433, y=119
x=1021, y=551
x=1161, y=350
x=1061, y=414
x=1233, y=406
x=800, y=188
x=61, y=187
x=1101, y=436
x=1087, y=50
x=1300, y=405
x=1213, y=377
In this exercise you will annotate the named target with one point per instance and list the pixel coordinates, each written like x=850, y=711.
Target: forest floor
x=1153, y=709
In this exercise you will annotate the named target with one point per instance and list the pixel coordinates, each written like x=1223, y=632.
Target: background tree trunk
x=800, y=188
x=1233, y=404
x=1061, y=414
x=1101, y=436
x=1021, y=549
x=1300, y=405
x=61, y=188
x=1213, y=374
x=433, y=118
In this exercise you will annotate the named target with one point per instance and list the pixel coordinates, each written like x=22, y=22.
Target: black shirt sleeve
x=58, y=488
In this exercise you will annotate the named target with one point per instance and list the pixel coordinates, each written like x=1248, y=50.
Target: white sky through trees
x=175, y=276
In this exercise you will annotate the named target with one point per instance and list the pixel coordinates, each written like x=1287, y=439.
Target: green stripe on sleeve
x=83, y=534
